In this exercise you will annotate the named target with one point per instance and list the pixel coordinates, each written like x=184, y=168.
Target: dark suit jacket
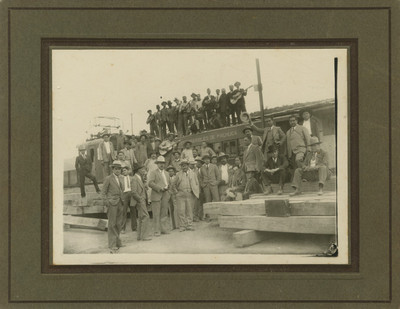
x=111, y=191
x=281, y=163
x=223, y=103
x=298, y=140
x=321, y=158
x=150, y=149
x=210, y=176
x=316, y=127
x=271, y=137
x=252, y=159
x=164, y=115
x=83, y=166
x=171, y=115
x=139, y=193
x=209, y=103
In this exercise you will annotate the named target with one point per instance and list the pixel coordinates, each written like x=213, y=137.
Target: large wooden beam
x=94, y=223
x=81, y=210
x=301, y=197
x=300, y=224
x=247, y=238
x=258, y=207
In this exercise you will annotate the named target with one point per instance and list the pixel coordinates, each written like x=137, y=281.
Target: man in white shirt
x=187, y=152
x=312, y=124
x=225, y=170
x=106, y=154
x=126, y=198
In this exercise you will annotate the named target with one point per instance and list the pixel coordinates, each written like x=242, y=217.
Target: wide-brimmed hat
x=160, y=159
x=193, y=162
x=187, y=142
x=176, y=100
x=184, y=161
x=171, y=133
x=206, y=156
x=163, y=103
x=105, y=134
x=247, y=128
x=198, y=158
x=149, y=111
x=305, y=110
x=117, y=164
x=143, y=134
x=222, y=155
x=170, y=168
x=137, y=167
x=193, y=95
x=314, y=141
x=81, y=148
x=237, y=83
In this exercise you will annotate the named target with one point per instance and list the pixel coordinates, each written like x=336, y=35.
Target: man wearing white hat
x=187, y=187
x=159, y=182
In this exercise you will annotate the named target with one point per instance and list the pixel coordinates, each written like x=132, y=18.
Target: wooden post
x=260, y=92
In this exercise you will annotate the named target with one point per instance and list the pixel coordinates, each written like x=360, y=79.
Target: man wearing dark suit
x=209, y=105
x=139, y=203
x=112, y=194
x=126, y=200
x=272, y=137
x=106, y=154
x=315, y=168
x=240, y=105
x=83, y=166
x=171, y=117
x=223, y=102
x=252, y=157
x=312, y=123
x=151, y=146
x=163, y=120
x=157, y=115
x=231, y=107
x=209, y=178
x=159, y=182
x=298, y=142
x=152, y=122
x=275, y=171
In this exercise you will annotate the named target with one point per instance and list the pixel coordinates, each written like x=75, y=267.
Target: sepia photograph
x=200, y=156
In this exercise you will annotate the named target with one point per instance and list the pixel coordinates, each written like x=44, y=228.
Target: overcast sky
x=90, y=83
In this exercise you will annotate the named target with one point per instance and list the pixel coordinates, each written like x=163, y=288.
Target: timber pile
x=76, y=208
x=302, y=214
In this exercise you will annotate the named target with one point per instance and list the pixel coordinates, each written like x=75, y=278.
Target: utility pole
x=131, y=124
x=259, y=86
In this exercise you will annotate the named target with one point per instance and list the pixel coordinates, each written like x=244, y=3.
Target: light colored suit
x=186, y=186
x=160, y=200
x=252, y=159
x=139, y=200
x=298, y=141
x=112, y=194
x=209, y=178
x=106, y=158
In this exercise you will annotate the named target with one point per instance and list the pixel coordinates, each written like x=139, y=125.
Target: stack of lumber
x=77, y=209
x=302, y=214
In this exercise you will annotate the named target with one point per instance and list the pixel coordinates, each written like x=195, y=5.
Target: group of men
x=152, y=174
x=197, y=115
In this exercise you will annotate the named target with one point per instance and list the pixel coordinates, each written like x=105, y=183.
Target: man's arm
x=152, y=182
x=257, y=129
x=135, y=189
x=282, y=136
x=306, y=138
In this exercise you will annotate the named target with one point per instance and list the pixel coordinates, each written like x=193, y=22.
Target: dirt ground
x=208, y=238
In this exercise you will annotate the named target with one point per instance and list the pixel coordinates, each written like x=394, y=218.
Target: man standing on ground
x=112, y=197
x=139, y=204
x=187, y=187
x=106, y=154
x=159, y=182
x=126, y=199
x=83, y=166
x=209, y=178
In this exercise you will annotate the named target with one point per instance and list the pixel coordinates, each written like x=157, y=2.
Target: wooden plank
x=80, y=210
x=301, y=197
x=247, y=238
x=257, y=207
x=313, y=208
x=298, y=224
x=100, y=224
x=77, y=196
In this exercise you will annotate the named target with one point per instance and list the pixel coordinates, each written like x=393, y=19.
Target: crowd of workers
x=185, y=116
x=150, y=173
